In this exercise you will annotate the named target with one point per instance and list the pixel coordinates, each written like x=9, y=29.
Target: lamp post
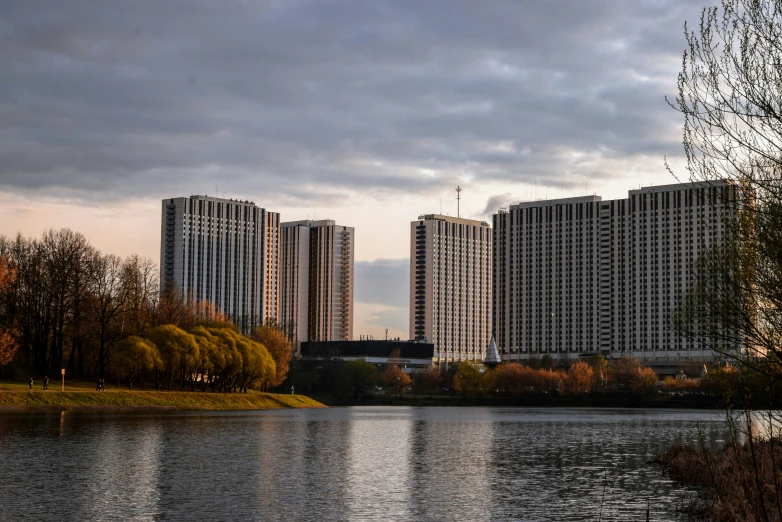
x=63, y=379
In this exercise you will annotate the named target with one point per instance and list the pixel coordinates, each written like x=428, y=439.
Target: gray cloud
x=383, y=281
x=495, y=202
x=287, y=97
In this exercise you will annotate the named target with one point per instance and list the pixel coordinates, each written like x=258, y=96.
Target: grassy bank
x=131, y=400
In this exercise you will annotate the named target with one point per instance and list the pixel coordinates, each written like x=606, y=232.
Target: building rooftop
x=554, y=202
x=451, y=219
x=372, y=348
x=680, y=186
x=222, y=200
x=309, y=223
x=596, y=198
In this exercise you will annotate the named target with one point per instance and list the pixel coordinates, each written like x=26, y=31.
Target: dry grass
x=739, y=482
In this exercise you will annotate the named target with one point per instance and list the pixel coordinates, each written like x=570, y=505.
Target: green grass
x=16, y=396
x=54, y=384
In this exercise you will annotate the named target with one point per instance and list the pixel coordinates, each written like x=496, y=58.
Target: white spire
x=492, y=354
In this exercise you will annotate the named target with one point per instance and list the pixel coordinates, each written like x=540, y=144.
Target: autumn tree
x=258, y=367
x=394, y=380
x=468, y=380
x=135, y=357
x=8, y=345
x=599, y=366
x=580, y=379
x=429, y=381
x=231, y=358
x=211, y=358
x=281, y=349
x=178, y=350
x=510, y=379
x=628, y=376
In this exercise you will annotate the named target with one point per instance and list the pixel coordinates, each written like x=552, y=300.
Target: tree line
x=64, y=304
x=355, y=380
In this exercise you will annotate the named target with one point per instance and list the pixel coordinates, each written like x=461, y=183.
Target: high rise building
x=579, y=276
x=223, y=251
x=450, y=286
x=316, y=283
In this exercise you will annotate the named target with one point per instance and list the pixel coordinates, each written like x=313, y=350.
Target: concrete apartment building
x=450, y=286
x=224, y=251
x=579, y=276
x=316, y=280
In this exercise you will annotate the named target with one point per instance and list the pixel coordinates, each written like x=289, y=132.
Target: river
x=363, y=463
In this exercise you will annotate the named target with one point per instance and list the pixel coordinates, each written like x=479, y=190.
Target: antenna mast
x=458, y=198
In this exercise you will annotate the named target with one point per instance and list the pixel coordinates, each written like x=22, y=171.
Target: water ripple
x=374, y=463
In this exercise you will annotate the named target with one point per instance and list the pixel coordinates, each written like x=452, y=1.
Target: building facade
x=316, y=280
x=223, y=251
x=450, y=286
x=578, y=276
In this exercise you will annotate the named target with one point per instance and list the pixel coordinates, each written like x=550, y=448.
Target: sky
x=368, y=112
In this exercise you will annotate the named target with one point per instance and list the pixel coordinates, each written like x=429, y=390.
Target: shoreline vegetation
x=608, y=400
x=739, y=481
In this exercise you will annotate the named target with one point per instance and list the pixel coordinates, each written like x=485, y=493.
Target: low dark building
x=411, y=356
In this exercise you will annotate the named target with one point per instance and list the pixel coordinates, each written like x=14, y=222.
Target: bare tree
x=110, y=299
x=730, y=94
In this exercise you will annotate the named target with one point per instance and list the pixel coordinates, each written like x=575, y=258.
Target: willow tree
x=280, y=348
x=134, y=357
x=730, y=95
x=211, y=358
x=178, y=349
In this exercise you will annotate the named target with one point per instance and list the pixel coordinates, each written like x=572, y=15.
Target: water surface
x=365, y=463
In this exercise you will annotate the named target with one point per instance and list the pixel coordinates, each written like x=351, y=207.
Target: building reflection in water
x=372, y=463
x=449, y=459
x=302, y=459
x=379, y=446
x=120, y=470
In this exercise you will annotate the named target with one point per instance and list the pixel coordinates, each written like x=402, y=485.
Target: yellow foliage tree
x=178, y=349
x=134, y=357
x=280, y=348
x=468, y=380
x=579, y=380
x=394, y=380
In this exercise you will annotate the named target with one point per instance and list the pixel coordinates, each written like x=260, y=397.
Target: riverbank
x=738, y=481
x=606, y=400
x=149, y=400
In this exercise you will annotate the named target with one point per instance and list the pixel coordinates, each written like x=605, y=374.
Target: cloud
x=495, y=202
x=374, y=319
x=383, y=281
x=311, y=102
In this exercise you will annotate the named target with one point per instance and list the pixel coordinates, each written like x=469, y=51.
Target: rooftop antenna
x=458, y=198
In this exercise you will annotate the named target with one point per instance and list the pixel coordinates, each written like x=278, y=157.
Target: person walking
x=31, y=384
x=46, y=383
x=97, y=385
